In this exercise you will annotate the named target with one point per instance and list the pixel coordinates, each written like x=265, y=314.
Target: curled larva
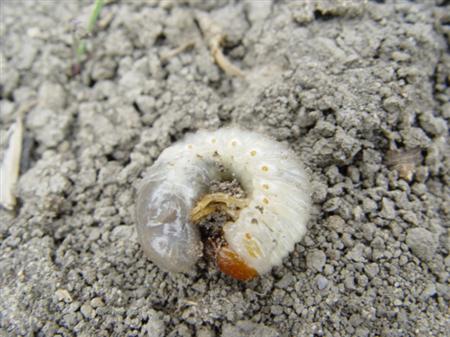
x=264, y=229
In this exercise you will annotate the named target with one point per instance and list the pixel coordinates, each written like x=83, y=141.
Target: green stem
x=94, y=16
x=81, y=49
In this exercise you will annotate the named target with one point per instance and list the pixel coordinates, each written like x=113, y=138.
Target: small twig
x=215, y=37
x=174, y=52
x=216, y=51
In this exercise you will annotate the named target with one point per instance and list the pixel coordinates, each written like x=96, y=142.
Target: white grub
x=266, y=230
x=9, y=171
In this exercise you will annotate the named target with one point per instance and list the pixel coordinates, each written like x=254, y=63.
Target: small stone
x=324, y=128
x=87, y=311
x=397, y=302
x=387, y=208
x=372, y=269
x=286, y=281
x=422, y=243
x=73, y=307
x=422, y=173
x=433, y=125
x=155, y=327
x=276, y=310
x=71, y=319
x=320, y=191
x=400, y=56
x=316, y=259
x=377, y=243
x=369, y=205
x=336, y=223
x=415, y=137
x=368, y=229
x=322, y=282
x=97, y=302
x=393, y=105
x=104, y=70
x=94, y=234
x=122, y=232
x=362, y=332
x=328, y=270
x=419, y=189
x=63, y=295
x=357, y=253
x=349, y=282
x=347, y=240
x=332, y=204
x=429, y=291
x=403, y=260
x=410, y=216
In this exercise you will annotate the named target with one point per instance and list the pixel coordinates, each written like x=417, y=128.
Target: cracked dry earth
x=346, y=84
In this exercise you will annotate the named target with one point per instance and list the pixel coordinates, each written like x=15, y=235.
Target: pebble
x=393, y=104
x=155, y=327
x=372, y=269
x=322, y=282
x=377, y=243
x=87, y=311
x=63, y=295
x=422, y=243
x=70, y=319
x=369, y=205
x=430, y=290
x=286, y=281
x=276, y=310
x=94, y=234
x=349, y=282
x=332, y=204
x=336, y=223
x=357, y=253
x=316, y=259
x=433, y=125
x=368, y=230
x=328, y=270
x=387, y=209
x=122, y=232
x=97, y=302
x=320, y=192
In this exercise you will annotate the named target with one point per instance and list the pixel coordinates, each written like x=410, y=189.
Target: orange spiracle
x=230, y=263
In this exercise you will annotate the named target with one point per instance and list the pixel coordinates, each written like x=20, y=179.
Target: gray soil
x=343, y=83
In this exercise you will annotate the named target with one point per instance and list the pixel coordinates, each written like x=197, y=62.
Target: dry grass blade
x=9, y=171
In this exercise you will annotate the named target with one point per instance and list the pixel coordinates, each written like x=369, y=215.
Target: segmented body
x=274, y=180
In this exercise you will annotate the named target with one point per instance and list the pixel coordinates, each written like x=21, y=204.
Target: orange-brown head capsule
x=230, y=263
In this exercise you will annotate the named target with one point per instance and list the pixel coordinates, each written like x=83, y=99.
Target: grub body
x=265, y=231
